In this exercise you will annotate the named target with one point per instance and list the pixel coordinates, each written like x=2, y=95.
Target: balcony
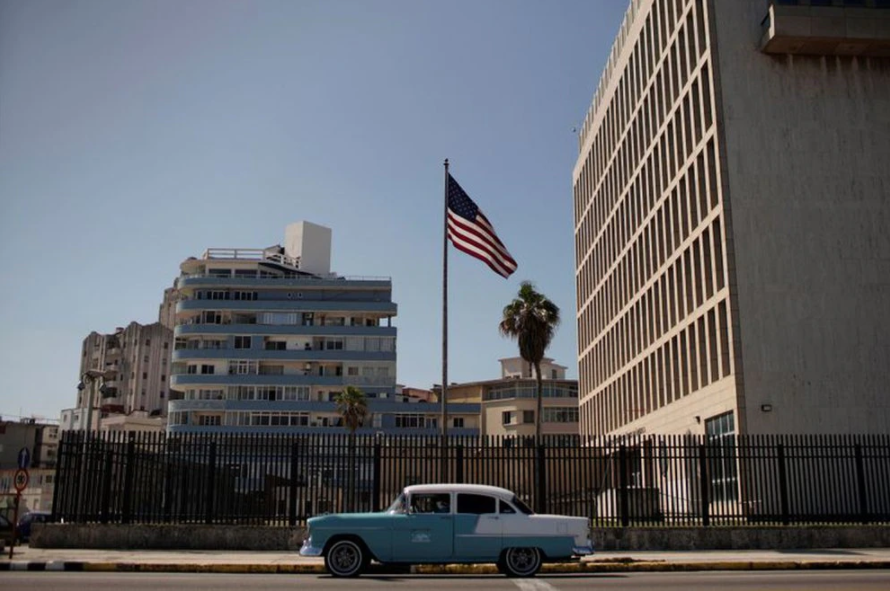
x=827, y=27
x=197, y=280
x=180, y=380
x=295, y=305
x=283, y=329
x=288, y=355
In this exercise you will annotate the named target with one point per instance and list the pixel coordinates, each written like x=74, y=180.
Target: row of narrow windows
x=653, y=74
x=665, y=169
x=696, y=357
x=683, y=215
x=694, y=277
x=649, y=235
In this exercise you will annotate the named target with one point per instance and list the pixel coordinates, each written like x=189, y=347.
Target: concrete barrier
x=166, y=537
x=741, y=538
x=247, y=537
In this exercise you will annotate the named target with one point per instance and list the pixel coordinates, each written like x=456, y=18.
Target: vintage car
x=447, y=523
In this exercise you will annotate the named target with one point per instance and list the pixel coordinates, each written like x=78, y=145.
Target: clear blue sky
x=134, y=134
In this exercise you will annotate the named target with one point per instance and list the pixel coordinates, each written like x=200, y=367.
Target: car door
x=477, y=527
x=426, y=532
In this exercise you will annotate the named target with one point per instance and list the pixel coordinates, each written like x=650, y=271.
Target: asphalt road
x=849, y=580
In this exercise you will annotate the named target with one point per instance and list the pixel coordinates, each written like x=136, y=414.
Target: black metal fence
x=647, y=480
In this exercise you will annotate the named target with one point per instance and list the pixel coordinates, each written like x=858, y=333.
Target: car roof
x=495, y=491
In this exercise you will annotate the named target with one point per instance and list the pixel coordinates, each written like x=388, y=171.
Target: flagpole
x=444, y=395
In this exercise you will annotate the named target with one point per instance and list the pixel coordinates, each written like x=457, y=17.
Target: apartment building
x=507, y=406
x=130, y=371
x=42, y=442
x=731, y=221
x=267, y=337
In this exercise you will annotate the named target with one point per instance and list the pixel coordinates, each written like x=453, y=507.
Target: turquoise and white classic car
x=447, y=523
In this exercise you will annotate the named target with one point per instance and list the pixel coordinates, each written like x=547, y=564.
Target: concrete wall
x=166, y=537
x=741, y=538
x=242, y=537
x=805, y=150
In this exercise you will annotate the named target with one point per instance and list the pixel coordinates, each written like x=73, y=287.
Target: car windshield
x=398, y=506
x=517, y=502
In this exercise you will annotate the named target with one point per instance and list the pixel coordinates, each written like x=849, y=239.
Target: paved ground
x=776, y=580
x=26, y=558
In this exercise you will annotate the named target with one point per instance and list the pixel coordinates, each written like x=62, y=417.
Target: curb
x=442, y=569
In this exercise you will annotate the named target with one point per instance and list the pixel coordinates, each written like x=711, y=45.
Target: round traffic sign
x=21, y=480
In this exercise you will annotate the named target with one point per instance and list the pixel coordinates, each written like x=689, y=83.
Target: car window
x=523, y=508
x=476, y=504
x=398, y=506
x=431, y=503
x=506, y=507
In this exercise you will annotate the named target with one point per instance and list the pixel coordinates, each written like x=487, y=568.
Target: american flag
x=470, y=231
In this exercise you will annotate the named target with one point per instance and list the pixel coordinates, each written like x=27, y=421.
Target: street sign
x=24, y=458
x=21, y=479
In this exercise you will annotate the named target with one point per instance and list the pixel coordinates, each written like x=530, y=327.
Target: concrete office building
x=266, y=338
x=732, y=225
x=135, y=363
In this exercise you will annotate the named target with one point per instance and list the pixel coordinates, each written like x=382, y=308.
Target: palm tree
x=352, y=404
x=531, y=319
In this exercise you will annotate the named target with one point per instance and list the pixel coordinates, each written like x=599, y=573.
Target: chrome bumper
x=583, y=550
x=308, y=549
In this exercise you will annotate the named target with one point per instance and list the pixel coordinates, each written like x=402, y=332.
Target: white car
x=448, y=523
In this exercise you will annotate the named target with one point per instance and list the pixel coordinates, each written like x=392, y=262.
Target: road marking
x=533, y=585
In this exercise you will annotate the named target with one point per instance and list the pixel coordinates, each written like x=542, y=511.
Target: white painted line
x=534, y=585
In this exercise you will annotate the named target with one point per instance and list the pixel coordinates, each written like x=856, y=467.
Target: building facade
x=42, y=442
x=507, y=406
x=133, y=365
x=731, y=221
x=266, y=338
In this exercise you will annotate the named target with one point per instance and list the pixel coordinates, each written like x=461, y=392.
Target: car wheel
x=345, y=558
x=522, y=562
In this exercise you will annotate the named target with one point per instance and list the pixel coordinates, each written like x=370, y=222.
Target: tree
x=352, y=404
x=531, y=319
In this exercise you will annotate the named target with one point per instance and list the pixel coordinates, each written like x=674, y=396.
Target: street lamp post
x=90, y=377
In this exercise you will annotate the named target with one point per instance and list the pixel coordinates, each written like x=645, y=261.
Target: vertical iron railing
x=283, y=479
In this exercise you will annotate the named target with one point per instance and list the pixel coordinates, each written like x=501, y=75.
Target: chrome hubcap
x=523, y=559
x=344, y=557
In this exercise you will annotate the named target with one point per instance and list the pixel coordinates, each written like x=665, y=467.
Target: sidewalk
x=26, y=558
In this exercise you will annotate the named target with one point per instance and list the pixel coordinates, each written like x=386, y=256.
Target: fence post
x=79, y=451
x=459, y=461
x=860, y=482
x=377, y=485
x=292, y=489
x=168, y=484
x=211, y=477
x=129, y=470
x=623, y=492
x=783, y=483
x=61, y=477
x=704, y=484
x=106, y=484
x=541, y=480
